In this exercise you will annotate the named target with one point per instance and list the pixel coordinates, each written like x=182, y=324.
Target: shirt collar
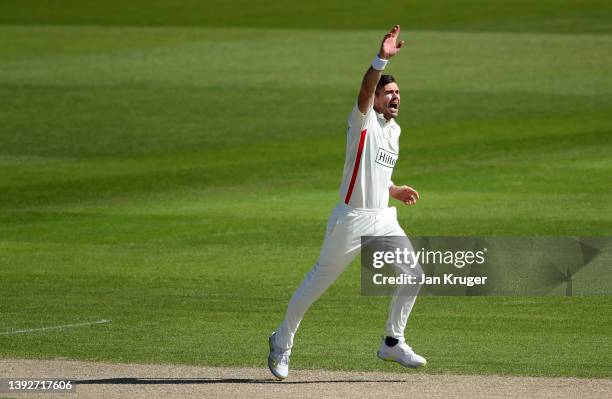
x=382, y=118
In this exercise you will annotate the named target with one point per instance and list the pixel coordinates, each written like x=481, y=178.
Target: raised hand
x=389, y=46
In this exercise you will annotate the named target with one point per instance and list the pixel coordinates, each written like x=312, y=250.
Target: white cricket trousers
x=342, y=243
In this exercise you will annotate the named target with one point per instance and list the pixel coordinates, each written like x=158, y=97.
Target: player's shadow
x=180, y=381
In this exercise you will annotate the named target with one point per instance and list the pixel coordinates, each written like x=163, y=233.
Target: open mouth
x=394, y=106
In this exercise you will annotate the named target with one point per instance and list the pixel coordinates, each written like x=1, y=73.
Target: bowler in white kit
x=372, y=149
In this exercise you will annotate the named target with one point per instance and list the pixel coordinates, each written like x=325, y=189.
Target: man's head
x=387, y=97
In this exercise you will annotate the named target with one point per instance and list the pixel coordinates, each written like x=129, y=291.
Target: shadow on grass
x=187, y=381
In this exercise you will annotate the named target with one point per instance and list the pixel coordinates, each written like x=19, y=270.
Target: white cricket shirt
x=372, y=148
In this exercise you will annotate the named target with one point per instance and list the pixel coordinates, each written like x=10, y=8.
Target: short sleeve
x=357, y=119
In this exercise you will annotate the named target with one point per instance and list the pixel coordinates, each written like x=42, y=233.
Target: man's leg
x=404, y=296
x=341, y=245
x=394, y=346
x=403, y=300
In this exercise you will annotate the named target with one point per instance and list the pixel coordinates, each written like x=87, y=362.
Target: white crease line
x=56, y=327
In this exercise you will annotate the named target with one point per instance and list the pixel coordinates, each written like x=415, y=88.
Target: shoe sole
x=270, y=361
x=398, y=362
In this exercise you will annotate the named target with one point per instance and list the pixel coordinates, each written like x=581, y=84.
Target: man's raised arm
x=388, y=48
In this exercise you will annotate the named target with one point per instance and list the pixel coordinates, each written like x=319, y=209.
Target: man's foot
x=401, y=353
x=278, y=360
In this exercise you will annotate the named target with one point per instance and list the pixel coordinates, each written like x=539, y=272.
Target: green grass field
x=177, y=180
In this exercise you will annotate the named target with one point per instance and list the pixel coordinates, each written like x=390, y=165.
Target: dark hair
x=383, y=81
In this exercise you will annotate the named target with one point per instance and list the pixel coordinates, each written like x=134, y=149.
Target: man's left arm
x=406, y=194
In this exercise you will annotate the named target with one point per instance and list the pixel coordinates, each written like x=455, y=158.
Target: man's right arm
x=388, y=48
x=368, y=87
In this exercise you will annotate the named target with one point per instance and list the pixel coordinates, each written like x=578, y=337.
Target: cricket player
x=372, y=149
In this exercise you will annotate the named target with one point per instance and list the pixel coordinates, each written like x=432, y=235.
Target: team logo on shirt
x=386, y=158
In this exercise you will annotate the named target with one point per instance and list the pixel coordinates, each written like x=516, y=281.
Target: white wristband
x=379, y=63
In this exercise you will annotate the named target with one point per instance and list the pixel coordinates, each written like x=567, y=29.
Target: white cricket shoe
x=400, y=353
x=278, y=360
